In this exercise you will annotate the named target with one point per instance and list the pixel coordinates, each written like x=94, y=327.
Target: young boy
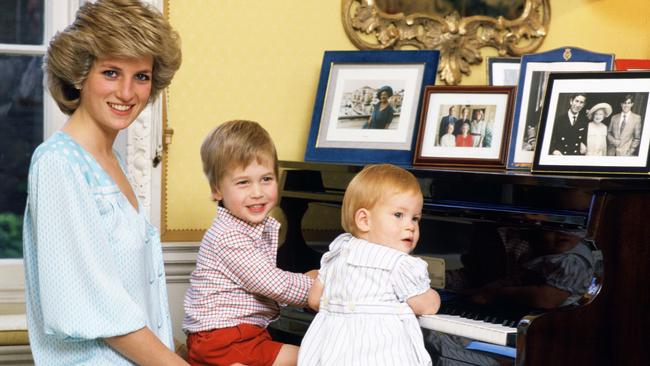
x=236, y=289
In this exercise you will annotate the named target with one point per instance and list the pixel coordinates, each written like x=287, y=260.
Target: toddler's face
x=395, y=221
x=249, y=193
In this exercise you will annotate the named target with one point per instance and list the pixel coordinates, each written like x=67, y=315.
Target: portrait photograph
x=464, y=126
x=532, y=83
x=367, y=105
x=595, y=122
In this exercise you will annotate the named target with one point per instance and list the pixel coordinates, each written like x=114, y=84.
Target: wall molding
x=16, y=355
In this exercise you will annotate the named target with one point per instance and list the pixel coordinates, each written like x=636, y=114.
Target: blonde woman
x=95, y=282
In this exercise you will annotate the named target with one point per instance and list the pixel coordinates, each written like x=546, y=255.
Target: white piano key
x=469, y=328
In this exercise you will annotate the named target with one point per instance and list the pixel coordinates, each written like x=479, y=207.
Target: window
x=28, y=115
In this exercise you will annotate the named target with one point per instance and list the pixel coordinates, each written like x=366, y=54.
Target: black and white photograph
x=532, y=83
x=464, y=126
x=596, y=123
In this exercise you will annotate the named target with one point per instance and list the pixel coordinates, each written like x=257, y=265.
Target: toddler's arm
x=315, y=292
x=426, y=303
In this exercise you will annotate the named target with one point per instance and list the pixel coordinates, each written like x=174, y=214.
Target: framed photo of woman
x=595, y=122
x=367, y=105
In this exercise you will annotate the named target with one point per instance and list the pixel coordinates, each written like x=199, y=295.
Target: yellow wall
x=260, y=60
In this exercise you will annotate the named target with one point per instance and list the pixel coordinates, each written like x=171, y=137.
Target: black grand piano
x=482, y=227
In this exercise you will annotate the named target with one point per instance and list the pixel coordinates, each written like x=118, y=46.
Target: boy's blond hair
x=235, y=144
x=369, y=185
x=110, y=29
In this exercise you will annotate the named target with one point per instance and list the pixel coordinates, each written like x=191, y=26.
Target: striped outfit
x=363, y=317
x=236, y=280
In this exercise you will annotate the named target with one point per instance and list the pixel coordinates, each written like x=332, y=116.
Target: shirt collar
x=269, y=224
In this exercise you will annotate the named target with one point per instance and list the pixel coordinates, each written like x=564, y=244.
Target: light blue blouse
x=93, y=264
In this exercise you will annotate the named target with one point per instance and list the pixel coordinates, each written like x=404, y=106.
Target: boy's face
x=395, y=221
x=250, y=192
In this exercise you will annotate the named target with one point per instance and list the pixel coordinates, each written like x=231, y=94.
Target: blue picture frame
x=418, y=68
x=533, y=74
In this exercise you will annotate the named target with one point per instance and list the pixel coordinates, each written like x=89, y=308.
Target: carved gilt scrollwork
x=458, y=39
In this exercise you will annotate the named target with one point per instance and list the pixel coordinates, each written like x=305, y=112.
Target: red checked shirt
x=236, y=279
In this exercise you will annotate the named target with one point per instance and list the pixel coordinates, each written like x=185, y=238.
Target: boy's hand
x=312, y=274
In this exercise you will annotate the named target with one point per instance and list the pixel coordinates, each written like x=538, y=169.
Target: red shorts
x=245, y=343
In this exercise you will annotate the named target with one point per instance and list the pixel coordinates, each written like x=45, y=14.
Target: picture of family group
x=598, y=124
x=472, y=127
x=366, y=107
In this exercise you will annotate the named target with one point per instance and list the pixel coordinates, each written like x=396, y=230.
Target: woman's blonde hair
x=110, y=29
x=235, y=144
x=369, y=185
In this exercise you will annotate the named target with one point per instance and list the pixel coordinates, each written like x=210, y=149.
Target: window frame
x=134, y=146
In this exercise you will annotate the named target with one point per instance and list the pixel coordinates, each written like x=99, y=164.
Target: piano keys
x=480, y=330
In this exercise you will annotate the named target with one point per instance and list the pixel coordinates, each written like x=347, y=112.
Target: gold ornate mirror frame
x=458, y=39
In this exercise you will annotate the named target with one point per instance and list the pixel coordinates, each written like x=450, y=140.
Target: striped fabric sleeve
x=410, y=277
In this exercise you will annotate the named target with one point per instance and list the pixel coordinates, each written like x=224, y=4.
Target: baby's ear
x=362, y=220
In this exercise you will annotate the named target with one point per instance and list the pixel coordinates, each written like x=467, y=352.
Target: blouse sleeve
x=76, y=276
x=410, y=277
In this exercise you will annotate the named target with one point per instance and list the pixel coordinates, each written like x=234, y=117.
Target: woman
x=382, y=112
x=95, y=283
x=448, y=139
x=597, y=130
x=464, y=139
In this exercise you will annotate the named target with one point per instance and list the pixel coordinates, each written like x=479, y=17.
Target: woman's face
x=599, y=115
x=450, y=128
x=116, y=91
x=383, y=97
x=464, y=129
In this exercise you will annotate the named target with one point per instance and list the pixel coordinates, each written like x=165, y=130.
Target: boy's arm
x=256, y=273
x=315, y=293
x=426, y=303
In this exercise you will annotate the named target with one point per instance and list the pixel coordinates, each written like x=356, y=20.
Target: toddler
x=369, y=289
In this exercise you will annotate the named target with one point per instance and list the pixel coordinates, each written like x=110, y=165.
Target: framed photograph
x=627, y=64
x=367, y=105
x=465, y=126
x=533, y=77
x=595, y=122
x=503, y=71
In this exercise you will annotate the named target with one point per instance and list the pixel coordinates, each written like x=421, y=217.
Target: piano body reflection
x=503, y=238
